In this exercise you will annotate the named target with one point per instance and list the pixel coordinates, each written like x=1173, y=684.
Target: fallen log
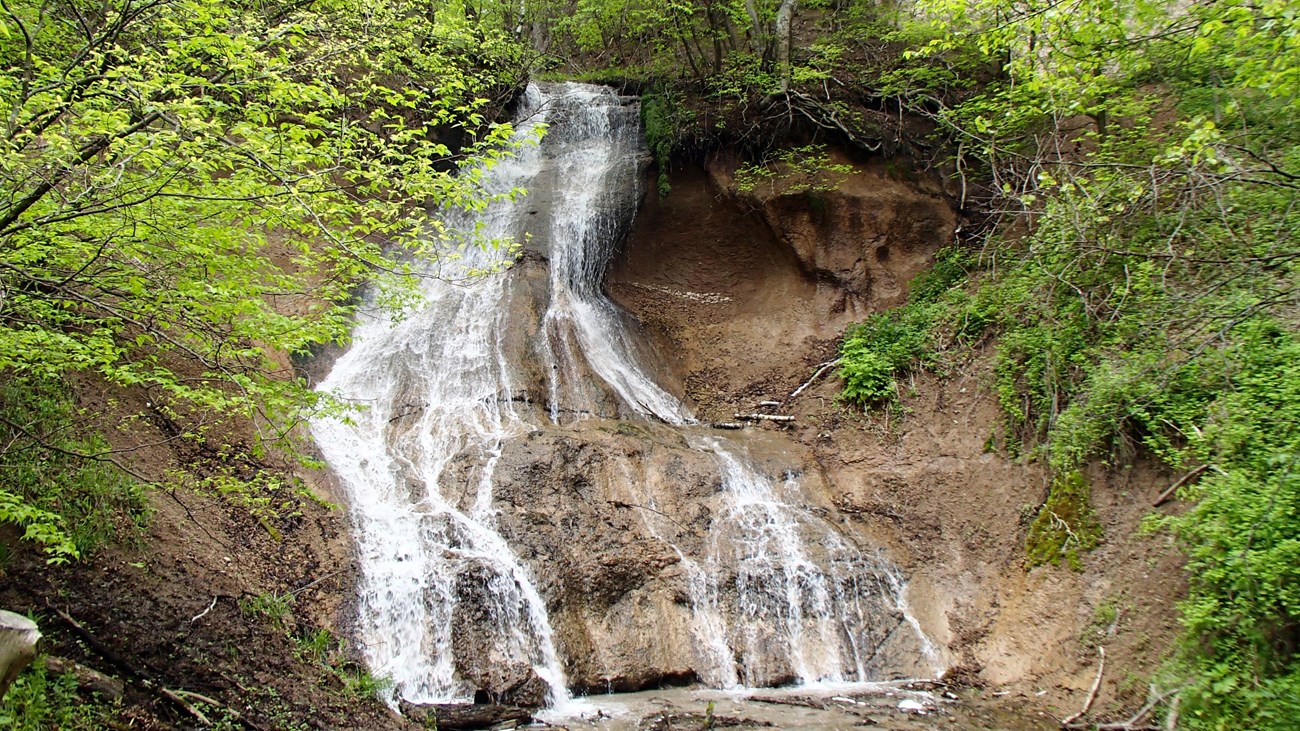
x=782, y=418
x=727, y=425
x=87, y=678
x=18, y=636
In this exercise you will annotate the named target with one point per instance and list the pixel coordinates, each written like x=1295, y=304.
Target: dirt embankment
x=245, y=602
x=749, y=294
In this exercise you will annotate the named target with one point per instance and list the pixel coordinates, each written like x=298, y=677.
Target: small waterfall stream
x=777, y=594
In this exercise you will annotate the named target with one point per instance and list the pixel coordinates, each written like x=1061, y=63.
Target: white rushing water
x=777, y=596
x=435, y=390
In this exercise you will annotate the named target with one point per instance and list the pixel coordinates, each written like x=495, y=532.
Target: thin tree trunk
x=784, y=21
x=18, y=636
x=686, y=46
x=755, y=30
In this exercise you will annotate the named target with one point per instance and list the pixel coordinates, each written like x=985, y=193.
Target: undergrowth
x=1142, y=300
x=40, y=700
x=1065, y=526
x=57, y=484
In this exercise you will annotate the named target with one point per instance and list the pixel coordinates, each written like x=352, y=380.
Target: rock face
x=609, y=515
x=864, y=240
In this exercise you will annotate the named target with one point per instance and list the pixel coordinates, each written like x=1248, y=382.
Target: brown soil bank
x=210, y=600
x=749, y=294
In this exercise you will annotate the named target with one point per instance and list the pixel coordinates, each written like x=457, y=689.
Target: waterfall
x=417, y=465
x=777, y=594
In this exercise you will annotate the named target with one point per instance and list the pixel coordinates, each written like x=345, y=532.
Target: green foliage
x=876, y=352
x=57, y=482
x=1105, y=617
x=40, y=700
x=663, y=118
x=1242, y=539
x=806, y=169
x=192, y=190
x=275, y=608
x=1065, y=526
x=1151, y=151
x=360, y=683
x=317, y=646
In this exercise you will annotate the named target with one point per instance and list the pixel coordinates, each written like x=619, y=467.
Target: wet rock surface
x=607, y=514
x=888, y=707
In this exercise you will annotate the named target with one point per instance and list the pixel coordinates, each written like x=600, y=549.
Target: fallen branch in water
x=727, y=425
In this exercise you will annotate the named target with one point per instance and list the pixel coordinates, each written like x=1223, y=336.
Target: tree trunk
x=784, y=21
x=18, y=636
x=755, y=30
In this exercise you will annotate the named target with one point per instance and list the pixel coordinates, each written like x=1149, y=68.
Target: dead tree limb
x=816, y=374
x=176, y=697
x=1135, y=722
x=1092, y=694
x=1169, y=492
x=782, y=418
x=88, y=678
x=622, y=505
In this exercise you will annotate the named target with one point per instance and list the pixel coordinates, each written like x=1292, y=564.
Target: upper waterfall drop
x=454, y=593
x=596, y=150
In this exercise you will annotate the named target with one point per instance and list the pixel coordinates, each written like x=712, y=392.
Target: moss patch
x=1066, y=525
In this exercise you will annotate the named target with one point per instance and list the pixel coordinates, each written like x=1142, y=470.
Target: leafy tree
x=1150, y=152
x=189, y=188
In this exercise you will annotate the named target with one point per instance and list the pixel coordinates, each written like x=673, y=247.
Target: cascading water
x=776, y=593
x=417, y=464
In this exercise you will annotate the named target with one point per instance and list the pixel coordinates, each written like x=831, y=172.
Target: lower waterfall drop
x=446, y=603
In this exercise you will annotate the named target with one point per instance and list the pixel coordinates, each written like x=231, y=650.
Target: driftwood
x=797, y=701
x=727, y=425
x=1168, y=493
x=18, y=636
x=467, y=716
x=1092, y=694
x=782, y=418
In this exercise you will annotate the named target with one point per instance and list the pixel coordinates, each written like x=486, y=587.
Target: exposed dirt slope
x=193, y=606
x=750, y=293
